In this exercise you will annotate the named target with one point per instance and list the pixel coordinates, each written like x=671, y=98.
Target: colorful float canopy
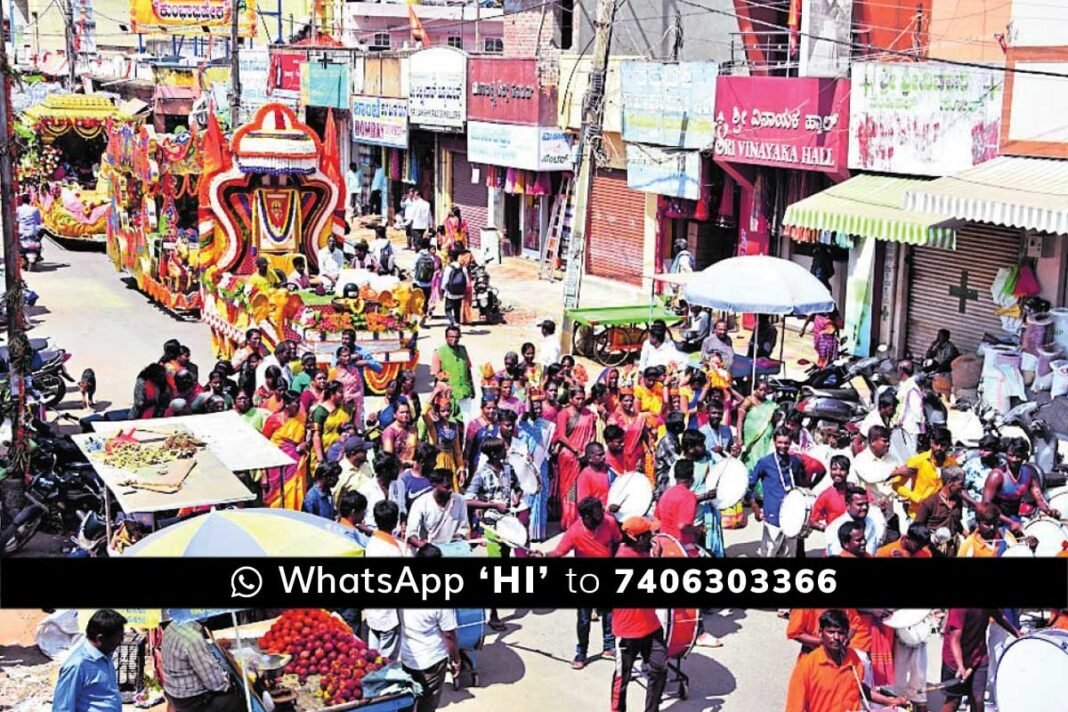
x=276, y=143
x=59, y=114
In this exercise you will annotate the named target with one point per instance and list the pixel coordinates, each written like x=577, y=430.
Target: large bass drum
x=680, y=624
x=1031, y=674
x=794, y=512
x=470, y=622
x=912, y=626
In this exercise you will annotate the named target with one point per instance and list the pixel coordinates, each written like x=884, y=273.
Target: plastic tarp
x=620, y=316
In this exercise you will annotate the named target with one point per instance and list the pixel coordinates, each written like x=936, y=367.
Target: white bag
x=59, y=634
x=1060, y=378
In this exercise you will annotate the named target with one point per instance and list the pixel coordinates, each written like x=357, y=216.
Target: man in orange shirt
x=911, y=546
x=851, y=537
x=987, y=541
x=833, y=678
x=804, y=626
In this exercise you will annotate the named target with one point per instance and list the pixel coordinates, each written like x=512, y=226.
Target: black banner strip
x=541, y=583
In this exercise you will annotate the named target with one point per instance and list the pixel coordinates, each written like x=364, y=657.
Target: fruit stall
x=383, y=311
x=152, y=229
x=69, y=137
x=308, y=660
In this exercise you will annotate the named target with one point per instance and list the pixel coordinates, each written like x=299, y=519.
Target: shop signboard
x=655, y=170
x=437, y=91
x=923, y=119
x=283, y=80
x=669, y=104
x=380, y=121
x=255, y=64
x=506, y=90
x=192, y=16
x=784, y=122
x=531, y=148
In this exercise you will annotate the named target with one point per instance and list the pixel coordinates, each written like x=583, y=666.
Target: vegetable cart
x=610, y=335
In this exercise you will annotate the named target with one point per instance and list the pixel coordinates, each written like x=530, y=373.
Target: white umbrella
x=758, y=284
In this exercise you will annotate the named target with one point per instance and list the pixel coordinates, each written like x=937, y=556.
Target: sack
x=386, y=259
x=457, y=285
x=58, y=634
x=424, y=269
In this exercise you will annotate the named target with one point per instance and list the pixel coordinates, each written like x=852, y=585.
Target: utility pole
x=478, y=21
x=19, y=348
x=68, y=10
x=235, y=66
x=592, y=122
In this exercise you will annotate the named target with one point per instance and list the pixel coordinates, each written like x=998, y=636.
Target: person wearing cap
x=550, y=344
x=264, y=278
x=944, y=510
x=637, y=630
x=331, y=259
x=355, y=470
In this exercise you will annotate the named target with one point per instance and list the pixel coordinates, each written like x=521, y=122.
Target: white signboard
x=437, y=91
x=655, y=170
x=531, y=148
x=923, y=119
x=826, y=27
x=254, y=65
x=380, y=121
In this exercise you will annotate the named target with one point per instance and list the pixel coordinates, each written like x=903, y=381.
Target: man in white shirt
x=698, y=330
x=354, y=186
x=858, y=509
x=383, y=486
x=910, y=417
x=417, y=219
x=658, y=350
x=378, y=187
x=874, y=468
x=428, y=650
x=283, y=354
x=384, y=623
x=882, y=415
x=331, y=261
x=438, y=516
x=549, y=353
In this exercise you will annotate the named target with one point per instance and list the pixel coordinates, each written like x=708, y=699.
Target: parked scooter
x=486, y=297
x=31, y=249
x=49, y=376
x=844, y=403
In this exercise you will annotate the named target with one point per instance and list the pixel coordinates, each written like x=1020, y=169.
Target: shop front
x=437, y=113
x=379, y=141
x=512, y=137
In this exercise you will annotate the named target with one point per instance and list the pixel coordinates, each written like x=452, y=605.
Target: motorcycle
x=839, y=401
x=49, y=376
x=31, y=249
x=486, y=297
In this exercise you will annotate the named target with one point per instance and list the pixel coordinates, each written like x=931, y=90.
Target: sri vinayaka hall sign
x=786, y=122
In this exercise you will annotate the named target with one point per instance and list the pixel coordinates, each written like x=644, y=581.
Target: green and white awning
x=867, y=206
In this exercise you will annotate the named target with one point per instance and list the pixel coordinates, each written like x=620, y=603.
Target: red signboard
x=284, y=74
x=787, y=122
x=506, y=91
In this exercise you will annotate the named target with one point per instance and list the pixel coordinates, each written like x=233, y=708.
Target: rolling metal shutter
x=616, y=228
x=935, y=297
x=471, y=198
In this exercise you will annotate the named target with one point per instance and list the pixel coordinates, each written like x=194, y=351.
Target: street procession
x=495, y=281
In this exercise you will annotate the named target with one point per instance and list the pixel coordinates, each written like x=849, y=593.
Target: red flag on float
x=331, y=164
x=216, y=160
x=416, y=25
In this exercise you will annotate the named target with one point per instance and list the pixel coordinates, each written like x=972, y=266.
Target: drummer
x=677, y=508
x=988, y=540
x=780, y=472
x=944, y=511
x=592, y=536
x=1006, y=487
x=976, y=472
x=831, y=503
x=708, y=516
x=719, y=440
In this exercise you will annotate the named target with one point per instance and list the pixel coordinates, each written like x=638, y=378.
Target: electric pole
x=68, y=10
x=478, y=21
x=18, y=347
x=589, y=137
x=235, y=66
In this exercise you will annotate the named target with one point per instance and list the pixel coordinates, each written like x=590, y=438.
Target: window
x=456, y=41
x=567, y=24
x=380, y=42
x=494, y=45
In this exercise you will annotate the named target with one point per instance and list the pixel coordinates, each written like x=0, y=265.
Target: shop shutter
x=616, y=244
x=471, y=198
x=981, y=251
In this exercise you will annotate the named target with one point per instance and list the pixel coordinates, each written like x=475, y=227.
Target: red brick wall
x=531, y=29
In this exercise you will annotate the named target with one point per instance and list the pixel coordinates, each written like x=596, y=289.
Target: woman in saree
x=537, y=432
x=610, y=378
x=479, y=430
x=401, y=437
x=284, y=487
x=576, y=428
x=314, y=393
x=635, y=433
x=325, y=422
x=756, y=426
x=550, y=403
x=269, y=395
x=441, y=430
x=350, y=376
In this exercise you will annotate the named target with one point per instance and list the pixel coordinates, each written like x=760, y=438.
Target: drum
x=633, y=494
x=455, y=550
x=666, y=546
x=1050, y=533
x=1058, y=499
x=794, y=512
x=1018, y=551
x=525, y=474
x=510, y=531
x=730, y=479
x=913, y=626
x=470, y=628
x=680, y=630
x=1031, y=673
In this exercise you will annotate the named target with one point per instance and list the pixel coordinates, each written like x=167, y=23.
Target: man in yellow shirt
x=265, y=278
x=924, y=476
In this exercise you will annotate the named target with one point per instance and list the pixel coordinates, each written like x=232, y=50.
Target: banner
x=437, y=88
x=669, y=104
x=826, y=38
x=380, y=121
x=284, y=74
x=325, y=84
x=923, y=119
x=191, y=16
x=531, y=148
x=673, y=173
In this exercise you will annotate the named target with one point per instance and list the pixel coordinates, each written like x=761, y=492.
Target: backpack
x=457, y=285
x=386, y=259
x=424, y=269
